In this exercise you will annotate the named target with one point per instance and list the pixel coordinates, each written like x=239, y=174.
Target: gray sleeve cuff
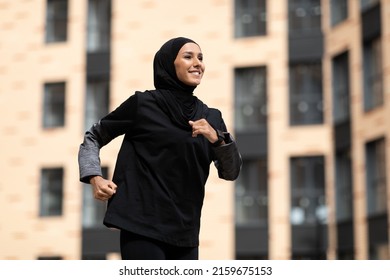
x=228, y=159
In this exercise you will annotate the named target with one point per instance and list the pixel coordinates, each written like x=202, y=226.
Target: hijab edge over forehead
x=164, y=69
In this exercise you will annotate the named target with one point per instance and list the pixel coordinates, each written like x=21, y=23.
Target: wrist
x=220, y=139
x=94, y=178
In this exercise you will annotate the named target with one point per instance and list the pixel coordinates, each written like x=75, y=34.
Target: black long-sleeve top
x=161, y=170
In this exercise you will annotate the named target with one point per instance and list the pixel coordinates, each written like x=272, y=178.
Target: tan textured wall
x=25, y=64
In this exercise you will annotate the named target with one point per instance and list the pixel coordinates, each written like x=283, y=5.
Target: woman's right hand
x=102, y=189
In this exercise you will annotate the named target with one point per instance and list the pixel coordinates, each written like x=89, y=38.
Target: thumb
x=191, y=123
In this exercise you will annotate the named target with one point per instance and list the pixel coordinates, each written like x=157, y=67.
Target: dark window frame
x=306, y=93
x=304, y=17
x=94, y=103
x=56, y=21
x=373, y=74
x=341, y=88
x=252, y=193
x=244, y=13
x=51, y=192
x=339, y=11
x=54, y=105
x=99, y=26
x=250, y=89
x=307, y=186
x=376, y=179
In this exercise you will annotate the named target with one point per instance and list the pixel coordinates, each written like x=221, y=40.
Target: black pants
x=138, y=247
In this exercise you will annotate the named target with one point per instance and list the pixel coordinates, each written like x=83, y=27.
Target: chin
x=195, y=83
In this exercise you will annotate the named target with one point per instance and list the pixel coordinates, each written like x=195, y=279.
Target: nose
x=197, y=62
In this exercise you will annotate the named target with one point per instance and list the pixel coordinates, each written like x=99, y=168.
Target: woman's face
x=189, y=64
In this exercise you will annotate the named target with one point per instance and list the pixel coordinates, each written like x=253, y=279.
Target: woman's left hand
x=202, y=127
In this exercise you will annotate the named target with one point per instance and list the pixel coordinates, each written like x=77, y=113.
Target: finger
x=99, y=195
x=113, y=186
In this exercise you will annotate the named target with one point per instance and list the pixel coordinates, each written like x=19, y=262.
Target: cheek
x=180, y=73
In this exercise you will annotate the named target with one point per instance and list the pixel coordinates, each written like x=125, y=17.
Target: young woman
x=170, y=140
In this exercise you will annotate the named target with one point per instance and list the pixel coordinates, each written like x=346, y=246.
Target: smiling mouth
x=196, y=73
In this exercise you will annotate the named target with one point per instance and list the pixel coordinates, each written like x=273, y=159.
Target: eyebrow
x=190, y=52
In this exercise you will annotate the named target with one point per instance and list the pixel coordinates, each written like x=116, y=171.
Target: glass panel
x=343, y=178
x=376, y=177
x=339, y=11
x=99, y=21
x=251, y=99
x=373, y=79
x=308, y=191
x=250, y=18
x=97, y=101
x=54, y=105
x=252, y=193
x=306, y=104
x=304, y=16
x=51, y=192
x=93, y=209
x=367, y=4
x=341, y=103
x=56, y=20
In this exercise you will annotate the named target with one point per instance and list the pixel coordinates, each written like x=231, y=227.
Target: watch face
x=220, y=134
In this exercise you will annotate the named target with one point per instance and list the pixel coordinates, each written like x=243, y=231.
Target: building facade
x=303, y=85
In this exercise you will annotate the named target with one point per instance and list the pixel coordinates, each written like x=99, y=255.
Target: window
x=308, y=191
x=376, y=177
x=304, y=16
x=56, y=20
x=250, y=18
x=367, y=4
x=343, y=179
x=306, y=104
x=252, y=193
x=373, y=84
x=51, y=192
x=46, y=258
x=97, y=101
x=251, y=98
x=99, y=25
x=93, y=210
x=340, y=75
x=339, y=11
x=54, y=105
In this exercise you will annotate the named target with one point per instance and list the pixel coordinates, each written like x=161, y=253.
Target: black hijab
x=174, y=97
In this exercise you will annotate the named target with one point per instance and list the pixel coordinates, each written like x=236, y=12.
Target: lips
x=197, y=73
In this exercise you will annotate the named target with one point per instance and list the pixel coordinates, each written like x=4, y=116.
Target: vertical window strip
x=376, y=177
x=373, y=76
x=340, y=86
x=97, y=101
x=98, y=25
